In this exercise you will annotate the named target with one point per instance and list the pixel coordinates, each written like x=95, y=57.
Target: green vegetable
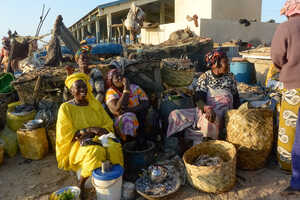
x=66, y=195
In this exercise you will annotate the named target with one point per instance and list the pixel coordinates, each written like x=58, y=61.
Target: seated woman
x=80, y=123
x=215, y=93
x=128, y=103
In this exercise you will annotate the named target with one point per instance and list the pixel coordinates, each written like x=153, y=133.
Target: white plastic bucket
x=108, y=185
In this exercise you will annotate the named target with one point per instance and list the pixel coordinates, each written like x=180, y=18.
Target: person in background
x=4, y=53
x=81, y=121
x=215, y=93
x=82, y=58
x=129, y=104
x=286, y=58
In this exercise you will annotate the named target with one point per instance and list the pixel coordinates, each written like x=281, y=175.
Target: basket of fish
x=158, y=182
x=211, y=166
x=177, y=72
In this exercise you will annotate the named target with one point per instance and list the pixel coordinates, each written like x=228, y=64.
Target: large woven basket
x=46, y=83
x=212, y=179
x=177, y=72
x=251, y=131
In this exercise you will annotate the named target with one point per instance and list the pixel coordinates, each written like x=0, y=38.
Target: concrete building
x=99, y=21
x=218, y=19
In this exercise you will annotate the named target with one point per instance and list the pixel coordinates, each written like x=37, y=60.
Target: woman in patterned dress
x=216, y=92
x=128, y=103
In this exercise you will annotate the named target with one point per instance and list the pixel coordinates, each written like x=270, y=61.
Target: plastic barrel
x=244, y=72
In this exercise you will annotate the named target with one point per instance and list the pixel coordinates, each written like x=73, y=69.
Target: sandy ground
x=21, y=179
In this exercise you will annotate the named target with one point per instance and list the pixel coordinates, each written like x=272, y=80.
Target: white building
x=218, y=19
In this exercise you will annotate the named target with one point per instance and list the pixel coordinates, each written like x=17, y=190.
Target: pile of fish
x=178, y=64
x=206, y=160
x=170, y=183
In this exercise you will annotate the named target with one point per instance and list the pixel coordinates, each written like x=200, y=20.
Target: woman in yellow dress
x=80, y=123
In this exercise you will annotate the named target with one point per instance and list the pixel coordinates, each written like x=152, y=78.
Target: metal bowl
x=33, y=124
x=74, y=189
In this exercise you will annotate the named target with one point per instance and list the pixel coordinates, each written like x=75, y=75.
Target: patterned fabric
x=215, y=56
x=209, y=81
x=291, y=7
x=126, y=124
x=179, y=120
x=137, y=95
x=86, y=49
x=287, y=126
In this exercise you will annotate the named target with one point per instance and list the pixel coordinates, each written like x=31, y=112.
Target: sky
x=23, y=15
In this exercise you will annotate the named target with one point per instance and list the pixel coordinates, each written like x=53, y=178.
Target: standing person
x=286, y=58
x=82, y=58
x=4, y=53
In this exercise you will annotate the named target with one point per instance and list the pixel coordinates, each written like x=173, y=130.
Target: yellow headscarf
x=93, y=102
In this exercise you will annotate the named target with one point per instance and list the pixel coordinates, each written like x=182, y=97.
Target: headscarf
x=5, y=42
x=291, y=7
x=214, y=56
x=109, y=83
x=93, y=102
x=86, y=49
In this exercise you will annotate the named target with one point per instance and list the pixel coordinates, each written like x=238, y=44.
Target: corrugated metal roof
x=113, y=3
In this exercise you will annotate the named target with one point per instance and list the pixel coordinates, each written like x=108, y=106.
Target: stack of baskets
x=212, y=179
x=44, y=83
x=177, y=72
x=251, y=131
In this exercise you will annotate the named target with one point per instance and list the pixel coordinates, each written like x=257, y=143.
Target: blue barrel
x=244, y=72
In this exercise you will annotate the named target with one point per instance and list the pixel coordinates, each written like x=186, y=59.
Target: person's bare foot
x=290, y=191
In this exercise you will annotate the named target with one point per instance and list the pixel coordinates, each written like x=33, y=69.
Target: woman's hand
x=210, y=114
x=98, y=131
x=126, y=83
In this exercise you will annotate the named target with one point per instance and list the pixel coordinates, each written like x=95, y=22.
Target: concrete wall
x=218, y=9
x=191, y=7
x=236, y=9
x=225, y=30
x=161, y=34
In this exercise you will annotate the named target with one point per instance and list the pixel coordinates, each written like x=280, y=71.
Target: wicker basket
x=251, y=131
x=212, y=179
x=173, y=75
x=47, y=83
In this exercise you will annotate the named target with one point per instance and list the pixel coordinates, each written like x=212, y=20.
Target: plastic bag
x=10, y=141
x=33, y=143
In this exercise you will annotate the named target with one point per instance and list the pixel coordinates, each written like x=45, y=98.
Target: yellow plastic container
x=1, y=152
x=9, y=138
x=15, y=122
x=33, y=144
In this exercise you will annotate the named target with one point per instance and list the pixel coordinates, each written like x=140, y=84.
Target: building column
x=97, y=22
x=89, y=28
x=109, y=30
x=82, y=33
x=77, y=34
x=162, y=13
